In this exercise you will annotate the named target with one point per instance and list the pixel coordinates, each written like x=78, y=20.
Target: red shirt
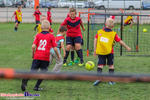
x=49, y=16
x=16, y=15
x=37, y=15
x=68, y=15
x=44, y=41
x=73, y=26
x=51, y=30
x=117, y=38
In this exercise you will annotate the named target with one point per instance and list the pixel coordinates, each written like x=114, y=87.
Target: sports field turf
x=15, y=52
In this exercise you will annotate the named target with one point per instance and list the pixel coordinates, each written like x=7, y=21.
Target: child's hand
x=59, y=57
x=128, y=48
x=64, y=54
x=94, y=54
x=32, y=55
x=83, y=29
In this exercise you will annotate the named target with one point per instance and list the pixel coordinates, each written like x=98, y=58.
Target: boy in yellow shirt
x=103, y=47
x=18, y=17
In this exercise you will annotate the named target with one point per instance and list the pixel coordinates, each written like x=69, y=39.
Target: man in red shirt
x=42, y=42
x=49, y=15
x=36, y=15
x=73, y=35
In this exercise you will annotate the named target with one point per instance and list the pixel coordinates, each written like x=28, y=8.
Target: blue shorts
x=81, y=43
x=37, y=22
x=16, y=21
x=50, y=23
x=127, y=24
x=73, y=40
x=102, y=59
x=39, y=64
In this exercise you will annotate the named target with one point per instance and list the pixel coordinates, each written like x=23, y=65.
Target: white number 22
x=42, y=45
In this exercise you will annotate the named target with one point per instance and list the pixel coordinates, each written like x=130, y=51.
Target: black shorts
x=102, y=59
x=81, y=43
x=16, y=21
x=127, y=24
x=37, y=22
x=39, y=64
x=73, y=40
x=50, y=23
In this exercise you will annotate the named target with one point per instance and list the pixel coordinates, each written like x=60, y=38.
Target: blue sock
x=65, y=58
x=79, y=52
x=39, y=81
x=99, y=71
x=72, y=56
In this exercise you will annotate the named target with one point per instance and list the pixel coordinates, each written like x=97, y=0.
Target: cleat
x=113, y=83
x=34, y=29
x=81, y=64
x=24, y=84
x=130, y=30
x=77, y=60
x=96, y=82
x=64, y=64
x=15, y=30
x=110, y=83
x=37, y=89
x=71, y=63
x=118, y=29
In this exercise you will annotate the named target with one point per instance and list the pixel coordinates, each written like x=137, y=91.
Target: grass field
x=15, y=52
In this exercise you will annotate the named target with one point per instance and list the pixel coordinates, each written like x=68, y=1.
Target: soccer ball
x=89, y=65
x=144, y=30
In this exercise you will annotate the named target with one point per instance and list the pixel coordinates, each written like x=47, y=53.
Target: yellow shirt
x=19, y=15
x=105, y=42
x=127, y=20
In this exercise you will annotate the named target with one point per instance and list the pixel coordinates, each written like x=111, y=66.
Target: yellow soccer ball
x=89, y=65
x=144, y=30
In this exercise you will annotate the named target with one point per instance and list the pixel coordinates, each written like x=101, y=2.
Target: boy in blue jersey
x=60, y=44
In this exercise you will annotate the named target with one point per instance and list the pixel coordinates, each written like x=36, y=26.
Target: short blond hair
x=45, y=24
x=43, y=17
x=109, y=23
x=72, y=10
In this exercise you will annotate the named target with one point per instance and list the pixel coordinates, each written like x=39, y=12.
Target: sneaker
x=71, y=63
x=111, y=83
x=34, y=29
x=24, y=84
x=130, y=30
x=37, y=89
x=118, y=29
x=81, y=64
x=65, y=64
x=15, y=30
x=96, y=82
x=77, y=60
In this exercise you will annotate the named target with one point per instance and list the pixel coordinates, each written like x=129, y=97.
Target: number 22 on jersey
x=42, y=45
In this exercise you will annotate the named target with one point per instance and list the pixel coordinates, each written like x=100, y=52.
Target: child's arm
x=33, y=49
x=124, y=45
x=82, y=27
x=95, y=45
x=12, y=17
x=63, y=48
x=56, y=51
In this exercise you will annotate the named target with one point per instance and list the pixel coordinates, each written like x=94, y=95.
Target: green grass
x=15, y=53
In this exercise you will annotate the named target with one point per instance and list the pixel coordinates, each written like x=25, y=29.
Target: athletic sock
x=79, y=52
x=111, y=71
x=65, y=58
x=39, y=81
x=16, y=28
x=99, y=71
x=72, y=56
x=36, y=26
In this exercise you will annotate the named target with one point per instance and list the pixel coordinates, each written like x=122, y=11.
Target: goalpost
x=134, y=39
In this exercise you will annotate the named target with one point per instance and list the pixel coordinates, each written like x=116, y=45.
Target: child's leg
x=37, y=23
x=130, y=26
x=16, y=26
x=58, y=64
x=72, y=53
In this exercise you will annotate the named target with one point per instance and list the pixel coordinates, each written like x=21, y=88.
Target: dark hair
x=49, y=8
x=62, y=29
x=37, y=7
